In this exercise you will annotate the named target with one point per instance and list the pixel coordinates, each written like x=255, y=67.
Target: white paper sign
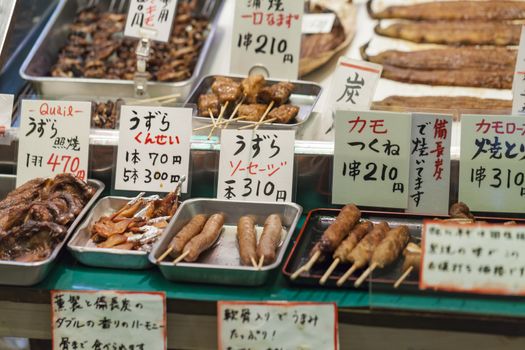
x=267, y=34
x=429, y=183
x=371, y=158
x=277, y=325
x=474, y=258
x=518, y=84
x=6, y=113
x=353, y=84
x=154, y=148
x=315, y=23
x=108, y=320
x=151, y=19
x=256, y=165
x=53, y=139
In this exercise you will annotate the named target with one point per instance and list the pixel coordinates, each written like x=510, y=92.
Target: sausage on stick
x=190, y=230
x=388, y=250
x=204, y=240
x=270, y=240
x=342, y=252
x=362, y=253
x=247, y=238
x=333, y=236
x=411, y=263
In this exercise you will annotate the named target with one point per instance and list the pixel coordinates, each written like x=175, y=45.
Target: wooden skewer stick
x=218, y=124
x=328, y=272
x=181, y=257
x=364, y=275
x=254, y=263
x=159, y=98
x=261, y=262
x=174, y=99
x=165, y=254
x=212, y=117
x=256, y=125
x=235, y=110
x=306, y=267
x=403, y=277
x=346, y=275
x=221, y=114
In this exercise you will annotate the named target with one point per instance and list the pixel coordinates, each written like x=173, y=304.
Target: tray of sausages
x=244, y=100
x=225, y=242
x=349, y=248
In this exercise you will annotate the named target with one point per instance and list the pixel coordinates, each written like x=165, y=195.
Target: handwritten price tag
x=492, y=171
x=353, y=84
x=256, y=165
x=6, y=112
x=154, y=148
x=485, y=259
x=429, y=184
x=267, y=33
x=151, y=19
x=277, y=325
x=108, y=320
x=53, y=139
x=518, y=84
x=371, y=159
x=314, y=23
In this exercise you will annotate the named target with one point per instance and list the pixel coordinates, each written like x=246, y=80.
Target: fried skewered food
x=204, y=240
x=387, y=251
x=454, y=33
x=247, y=239
x=251, y=86
x=460, y=211
x=283, y=114
x=412, y=262
x=226, y=89
x=441, y=102
x=207, y=103
x=454, y=10
x=190, y=230
x=343, y=251
x=360, y=256
x=278, y=93
x=252, y=112
x=270, y=240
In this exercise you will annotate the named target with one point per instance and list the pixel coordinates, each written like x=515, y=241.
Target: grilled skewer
x=412, y=262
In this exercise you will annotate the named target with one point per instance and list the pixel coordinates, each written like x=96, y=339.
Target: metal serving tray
x=87, y=252
x=30, y=273
x=304, y=96
x=220, y=264
x=37, y=65
x=318, y=221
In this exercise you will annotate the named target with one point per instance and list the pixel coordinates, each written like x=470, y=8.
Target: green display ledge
x=71, y=275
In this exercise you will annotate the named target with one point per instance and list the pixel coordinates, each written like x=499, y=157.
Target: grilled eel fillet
x=454, y=10
x=464, y=66
x=454, y=33
x=441, y=102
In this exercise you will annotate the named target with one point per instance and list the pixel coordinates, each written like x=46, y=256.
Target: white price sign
x=353, y=84
x=474, y=258
x=518, y=84
x=429, y=183
x=267, y=34
x=151, y=19
x=277, y=325
x=314, y=23
x=6, y=112
x=53, y=139
x=256, y=165
x=154, y=148
x=108, y=320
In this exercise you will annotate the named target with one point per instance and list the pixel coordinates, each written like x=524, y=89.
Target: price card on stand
x=492, y=163
x=53, y=139
x=108, y=320
x=429, y=184
x=475, y=258
x=151, y=19
x=518, y=83
x=6, y=113
x=256, y=165
x=371, y=159
x=154, y=148
x=277, y=325
x=354, y=84
x=267, y=34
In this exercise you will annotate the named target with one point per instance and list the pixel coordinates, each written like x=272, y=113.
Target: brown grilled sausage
x=190, y=230
x=412, y=255
x=247, y=239
x=337, y=231
x=205, y=239
x=362, y=253
x=391, y=247
x=358, y=232
x=270, y=239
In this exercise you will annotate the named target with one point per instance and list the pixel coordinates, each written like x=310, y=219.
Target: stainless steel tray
x=220, y=264
x=30, y=273
x=37, y=65
x=304, y=96
x=86, y=251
